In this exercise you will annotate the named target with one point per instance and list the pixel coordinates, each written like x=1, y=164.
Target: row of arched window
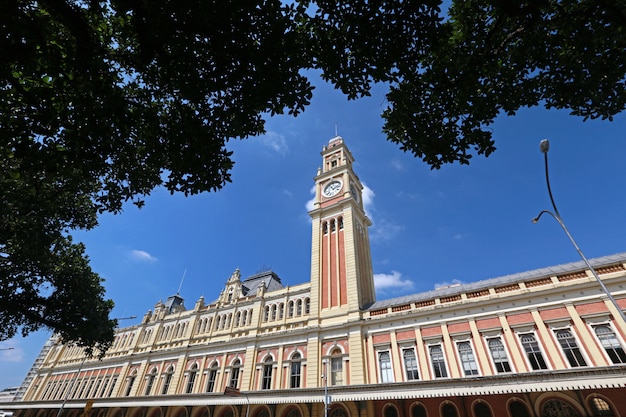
x=295, y=308
x=173, y=331
x=224, y=321
x=123, y=340
x=332, y=225
x=554, y=407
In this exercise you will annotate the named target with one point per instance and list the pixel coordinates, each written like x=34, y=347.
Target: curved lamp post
x=544, y=146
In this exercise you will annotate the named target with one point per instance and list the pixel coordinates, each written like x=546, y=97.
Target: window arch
x=518, y=409
x=266, y=313
x=533, y=352
x=307, y=305
x=418, y=410
x=167, y=380
x=558, y=408
x=384, y=362
x=210, y=386
x=290, y=312
x=600, y=407
x=438, y=362
x=191, y=378
x=268, y=370
x=325, y=228
x=234, y=374
x=498, y=355
x=336, y=367
x=338, y=412
x=131, y=381
x=281, y=311
x=390, y=411
x=299, y=308
x=481, y=409
x=449, y=410
x=468, y=361
x=296, y=370
x=274, y=311
x=570, y=348
x=150, y=381
x=610, y=343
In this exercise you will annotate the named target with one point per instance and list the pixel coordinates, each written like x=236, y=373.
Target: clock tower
x=342, y=280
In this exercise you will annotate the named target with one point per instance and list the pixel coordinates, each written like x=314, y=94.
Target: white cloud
x=287, y=193
x=142, y=256
x=392, y=282
x=368, y=200
x=275, y=142
x=310, y=204
x=459, y=236
x=12, y=353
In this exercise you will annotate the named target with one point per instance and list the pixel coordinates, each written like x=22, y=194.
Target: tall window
x=210, y=387
x=191, y=378
x=234, y=374
x=418, y=411
x=498, y=354
x=384, y=361
x=610, y=343
x=150, y=382
x=438, y=362
x=467, y=359
x=410, y=364
x=168, y=380
x=268, y=368
x=533, y=353
x=336, y=368
x=570, y=348
x=131, y=381
x=295, y=370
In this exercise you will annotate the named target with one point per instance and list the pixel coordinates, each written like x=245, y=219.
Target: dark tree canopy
x=102, y=101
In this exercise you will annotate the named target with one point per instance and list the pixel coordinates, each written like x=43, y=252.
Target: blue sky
x=430, y=228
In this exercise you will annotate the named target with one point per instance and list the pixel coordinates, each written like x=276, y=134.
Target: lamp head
x=535, y=220
x=544, y=146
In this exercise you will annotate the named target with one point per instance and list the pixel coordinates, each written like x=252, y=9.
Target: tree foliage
x=102, y=101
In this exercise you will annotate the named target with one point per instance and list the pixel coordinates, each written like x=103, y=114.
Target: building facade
x=543, y=343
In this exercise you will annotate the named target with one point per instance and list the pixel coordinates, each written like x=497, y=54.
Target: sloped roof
x=500, y=281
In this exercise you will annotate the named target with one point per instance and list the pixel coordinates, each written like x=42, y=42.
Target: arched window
x=418, y=410
x=518, y=409
x=131, y=381
x=341, y=223
x=234, y=374
x=191, y=378
x=268, y=369
x=307, y=305
x=558, y=408
x=210, y=387
x=266, y=314
x=274, y=310
x=336, y=367
x=410, y=364
x=438, y=362
x=325, y=228
x=533, y=352
x=449, y=410
x=332, y=226
x=611, y=345
x=600, y=408
x=150, y=382
x=570, y=348
x=390, y=411
x=290, y=313
x=338, y=412
x=281, y=311
x=467, y=359
x=299, y=308
x=238, y=319
x=384, y=361
x=296, y=369
x=498, y=354
x=482, y=410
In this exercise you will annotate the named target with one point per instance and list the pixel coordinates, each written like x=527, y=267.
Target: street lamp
x=544, y=146
x=325, y=378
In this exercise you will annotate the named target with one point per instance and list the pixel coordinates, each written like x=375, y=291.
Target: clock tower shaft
x=342, y=280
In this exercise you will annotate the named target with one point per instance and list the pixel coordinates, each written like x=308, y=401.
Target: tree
x=102, y=101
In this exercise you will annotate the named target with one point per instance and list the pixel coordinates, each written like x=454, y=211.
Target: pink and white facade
x=541, y=343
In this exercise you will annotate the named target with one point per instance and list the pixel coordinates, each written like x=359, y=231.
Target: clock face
x=332, y=188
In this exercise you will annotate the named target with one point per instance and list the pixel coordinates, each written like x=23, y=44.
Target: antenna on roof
x=181, y=282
